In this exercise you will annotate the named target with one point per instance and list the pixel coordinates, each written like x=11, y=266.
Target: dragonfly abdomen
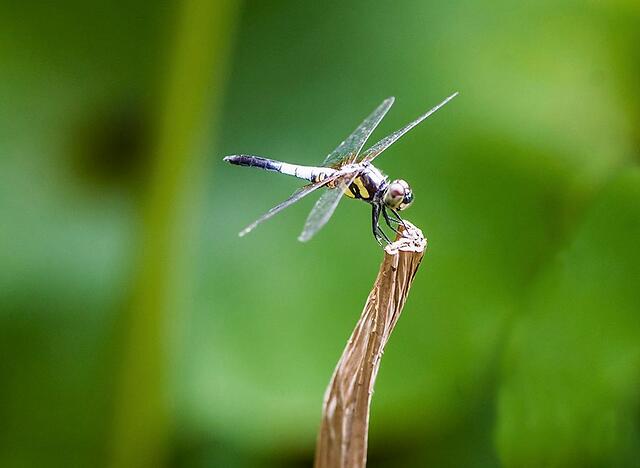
x=309, y=173
x=254, y=161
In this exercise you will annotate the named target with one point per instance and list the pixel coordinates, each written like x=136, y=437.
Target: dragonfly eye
x=398, y=195
x=407, y=200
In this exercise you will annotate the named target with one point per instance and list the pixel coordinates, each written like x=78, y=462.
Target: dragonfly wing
x=383, y=144
x=325, y=206
x=351, y=147
x=297, y=195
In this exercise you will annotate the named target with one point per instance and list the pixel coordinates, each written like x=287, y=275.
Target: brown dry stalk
x=342, y=440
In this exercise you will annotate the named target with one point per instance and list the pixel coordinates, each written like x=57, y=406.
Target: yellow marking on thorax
x=364, y=193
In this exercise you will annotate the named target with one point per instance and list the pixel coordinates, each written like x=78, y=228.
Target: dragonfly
x=346, y=171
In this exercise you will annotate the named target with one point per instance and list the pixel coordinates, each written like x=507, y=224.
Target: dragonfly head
x=398, y=195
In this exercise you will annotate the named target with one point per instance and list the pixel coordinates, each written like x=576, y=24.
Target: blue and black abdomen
x=254, y=161
x=309, y=173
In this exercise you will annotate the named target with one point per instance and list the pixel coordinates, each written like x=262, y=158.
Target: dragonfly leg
x=382, y=233
x=377, y=232
x=388, y=219
x=400, y=218
x=394, y=216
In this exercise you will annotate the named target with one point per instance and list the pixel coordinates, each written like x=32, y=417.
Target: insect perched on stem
x=345, y=172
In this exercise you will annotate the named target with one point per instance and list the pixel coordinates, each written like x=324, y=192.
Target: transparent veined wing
x=350, y=148
x=383, y=144
x=297, y=195
x=325, y=206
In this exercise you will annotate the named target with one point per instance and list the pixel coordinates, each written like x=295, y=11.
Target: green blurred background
x=137, y=329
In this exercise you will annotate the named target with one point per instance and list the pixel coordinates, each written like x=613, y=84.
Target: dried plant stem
x=342, y=440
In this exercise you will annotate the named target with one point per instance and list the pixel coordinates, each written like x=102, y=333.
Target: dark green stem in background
x=195, y=73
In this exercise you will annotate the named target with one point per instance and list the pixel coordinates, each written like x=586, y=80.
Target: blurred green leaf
x=570, y=388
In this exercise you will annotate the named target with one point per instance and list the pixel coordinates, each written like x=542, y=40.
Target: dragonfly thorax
x=369, y=185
